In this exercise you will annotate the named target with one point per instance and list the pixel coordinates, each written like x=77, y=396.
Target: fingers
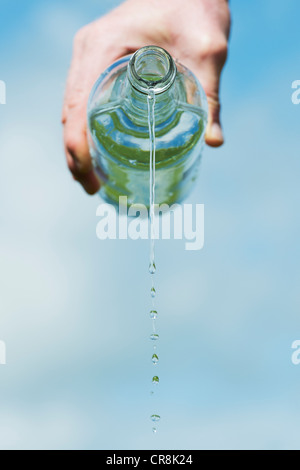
x=76, y=145
x=210, y=79
x=74, y=117
x=91, y=56
x=208, y=65
x=214, y=134
x=77, y=151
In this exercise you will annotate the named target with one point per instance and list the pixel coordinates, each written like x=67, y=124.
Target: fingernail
x=216, y=132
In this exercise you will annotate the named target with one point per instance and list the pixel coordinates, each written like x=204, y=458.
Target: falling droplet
x=155, y=418
x=153, y=314
x=155, y=359
x=152, y=268
x=154, y=337
x=155, y=380
x=153, y=292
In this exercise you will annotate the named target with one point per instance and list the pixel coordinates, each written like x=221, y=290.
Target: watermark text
x=296, y=93
x=296, y=353
x=178, y=222
x=2, y=353
x=2, y=92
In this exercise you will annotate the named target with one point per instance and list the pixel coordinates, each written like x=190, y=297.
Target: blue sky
x=73, y=310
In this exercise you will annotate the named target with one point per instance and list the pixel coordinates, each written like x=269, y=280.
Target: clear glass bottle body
x=118, y=129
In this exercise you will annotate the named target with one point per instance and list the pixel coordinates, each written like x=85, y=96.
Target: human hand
x=194, y=32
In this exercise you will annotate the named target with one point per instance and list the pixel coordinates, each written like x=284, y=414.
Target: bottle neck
x=136, y=105
x=151, y=70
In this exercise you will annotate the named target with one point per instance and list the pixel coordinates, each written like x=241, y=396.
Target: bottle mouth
x=151, y=68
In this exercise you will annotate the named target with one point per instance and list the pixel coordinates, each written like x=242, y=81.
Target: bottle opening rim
x=151, y=68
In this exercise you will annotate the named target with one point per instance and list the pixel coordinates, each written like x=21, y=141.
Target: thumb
x=209, y=78
x=208, y=71
x=214, y=134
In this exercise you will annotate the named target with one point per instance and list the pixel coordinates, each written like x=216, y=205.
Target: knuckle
x=221, y=49
x=63, y=118
x=71, y=163
x=213, y=101
x=64, y=113
x=71, y=166
x=73, y=146
x=213, y=46
x=79, y=160
x=80, y=36
x=214, y=107
x=75, y=98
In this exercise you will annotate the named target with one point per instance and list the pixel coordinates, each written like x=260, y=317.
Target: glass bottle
x=118, y=130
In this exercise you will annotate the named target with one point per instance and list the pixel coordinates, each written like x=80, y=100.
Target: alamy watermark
x=296, y=353
x=296, y=93
x=2, y=92
x=178, y=222
x=2, y=353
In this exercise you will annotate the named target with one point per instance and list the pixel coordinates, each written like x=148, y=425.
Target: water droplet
x=152, y=268
x=154, y=337
x=155, y=359
x=153, y=314
x=155, y=380
x=153, y=292
x=155, y=418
